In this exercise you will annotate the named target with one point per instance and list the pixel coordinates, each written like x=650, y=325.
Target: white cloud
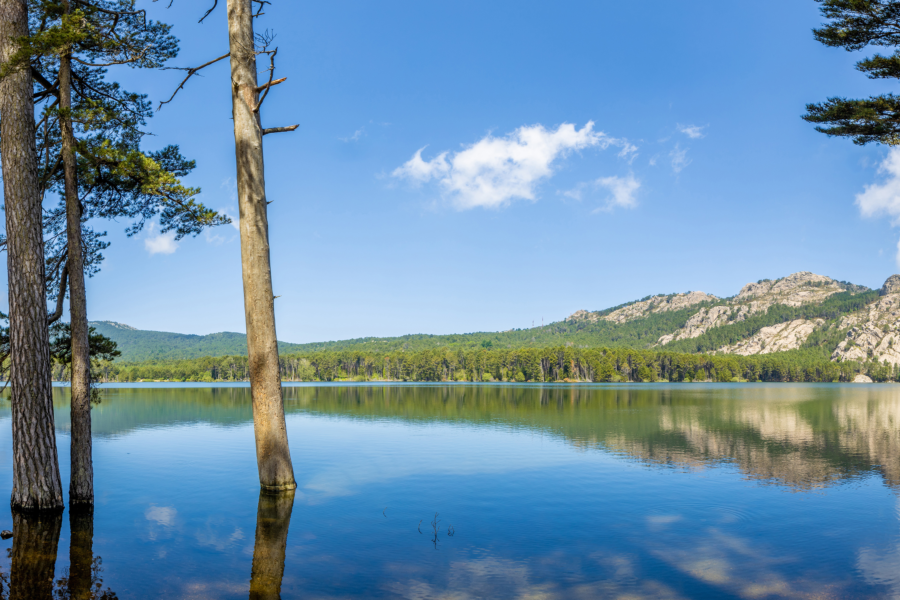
x=884, y=198
x=679, y=158
x=621, y=190
x=420, y=171
x=163, y=243
x=494, y=171
x=692, y=131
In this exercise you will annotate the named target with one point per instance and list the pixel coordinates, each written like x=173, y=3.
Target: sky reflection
x=563, y=492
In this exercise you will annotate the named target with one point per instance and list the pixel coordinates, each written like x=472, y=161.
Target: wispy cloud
x=494, y=171
x=679, y=158
x=621, y=191
x=162, y=243
x=884, y=198
x=692, y=131
x=356, y=135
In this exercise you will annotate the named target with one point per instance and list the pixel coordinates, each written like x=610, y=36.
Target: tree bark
x=35, y=542
x=36, y=481
x=81, y=487
x=273, y=517
x=273, y=455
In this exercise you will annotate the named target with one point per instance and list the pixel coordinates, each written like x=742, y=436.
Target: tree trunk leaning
x=272, y=453
x=81, y=488
x=36, y=481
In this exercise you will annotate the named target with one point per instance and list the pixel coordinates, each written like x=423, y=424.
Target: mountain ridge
x=836, y=319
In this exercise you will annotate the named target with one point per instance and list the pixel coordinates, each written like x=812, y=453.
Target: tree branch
x=62, y=296
x=53, y=89
x=276, y=82
x=279, y=129
x=190, y=74
x=215, y=4
x=268, y=86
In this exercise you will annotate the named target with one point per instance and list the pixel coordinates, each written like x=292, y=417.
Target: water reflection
x=805, y=437
x=33, y=559
x=802, y=436
x=35, y=541
x=84, y=580
x=273, y=516
x=557, y=492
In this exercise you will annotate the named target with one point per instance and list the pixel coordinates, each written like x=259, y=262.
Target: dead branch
x=270, y=84
x=215, y=4
x=262, y=4
x=191, y=73
x=279, y=129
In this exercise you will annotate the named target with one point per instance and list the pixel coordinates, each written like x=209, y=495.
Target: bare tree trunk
x=36, y=482
x=35, y=542
x=273, y=517
x=273, y=455
x=81, y=487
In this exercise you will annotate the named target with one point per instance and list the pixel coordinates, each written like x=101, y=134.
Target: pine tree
x=854, y=25
x=89, y=138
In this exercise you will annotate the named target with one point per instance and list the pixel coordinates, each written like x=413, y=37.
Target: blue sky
x=475, y=166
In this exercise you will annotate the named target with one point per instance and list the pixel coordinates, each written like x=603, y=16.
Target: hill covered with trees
x=138, y=345
x=810, y=316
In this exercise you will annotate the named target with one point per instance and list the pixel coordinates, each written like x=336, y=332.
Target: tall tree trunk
x=36, y=482
x=81, y=487
x=35, y=541
x=273, y=455
x=273, y=517
x=81, y=552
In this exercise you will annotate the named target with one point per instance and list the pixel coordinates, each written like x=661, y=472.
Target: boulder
x=862, y=379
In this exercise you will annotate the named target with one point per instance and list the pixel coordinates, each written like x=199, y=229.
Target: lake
x=540, y=491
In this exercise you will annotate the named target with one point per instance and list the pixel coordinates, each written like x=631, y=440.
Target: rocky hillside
x=803, y=310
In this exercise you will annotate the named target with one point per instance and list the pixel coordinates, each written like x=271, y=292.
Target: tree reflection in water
x=33, y=559
x=273, y=516
x=35, y=540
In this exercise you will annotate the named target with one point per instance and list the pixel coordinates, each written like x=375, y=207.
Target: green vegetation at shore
x=562, y=363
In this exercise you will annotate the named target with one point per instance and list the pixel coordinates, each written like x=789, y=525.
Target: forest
x=549, y=364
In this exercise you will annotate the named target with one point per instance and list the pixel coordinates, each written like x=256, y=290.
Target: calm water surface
x=641, y=491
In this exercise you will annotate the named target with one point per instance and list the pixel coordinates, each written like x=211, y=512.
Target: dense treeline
x=526, y=364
